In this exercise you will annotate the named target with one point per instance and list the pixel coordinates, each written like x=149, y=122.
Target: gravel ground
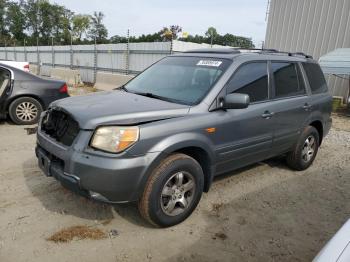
x=264, y=212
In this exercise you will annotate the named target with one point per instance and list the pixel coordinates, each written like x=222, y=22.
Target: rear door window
x=288, y=79
x=250, y=79
x=316, y=78
x=4, y=80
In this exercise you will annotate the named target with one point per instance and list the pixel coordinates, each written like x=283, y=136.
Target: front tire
x=305, y=150
x=172, y=191
x=25, y=111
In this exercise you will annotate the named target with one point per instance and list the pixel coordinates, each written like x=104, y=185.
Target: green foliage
x=171, y=32
x=98, y=30
x=3, y=30
x=40, y=20
x=15, y=20
x=81, y=24
x=43, y=22
x=212, y=37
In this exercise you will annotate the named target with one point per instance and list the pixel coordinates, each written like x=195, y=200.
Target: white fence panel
x=129, y=58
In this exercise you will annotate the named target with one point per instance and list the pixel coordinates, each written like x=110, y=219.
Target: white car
x=338, y=248
x=20, y=65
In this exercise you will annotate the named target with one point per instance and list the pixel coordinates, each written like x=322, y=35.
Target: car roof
x=249, y=54
x=18, y=73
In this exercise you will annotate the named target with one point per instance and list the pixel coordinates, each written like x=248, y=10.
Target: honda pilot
x=162, y=137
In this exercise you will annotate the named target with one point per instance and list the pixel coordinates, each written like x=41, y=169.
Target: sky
x=238, y=17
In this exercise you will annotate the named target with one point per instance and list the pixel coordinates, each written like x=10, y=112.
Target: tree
x=97, y=28
x=3, y=31
x=235, y=41
x=170, y=33
x=31, y=8
x=211, y=34
x=81, y=24
x=16, y=21
x=62, y=25
x=116, y=39
x=46, y=19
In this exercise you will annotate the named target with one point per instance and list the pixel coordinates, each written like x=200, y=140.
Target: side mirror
x=235, y=101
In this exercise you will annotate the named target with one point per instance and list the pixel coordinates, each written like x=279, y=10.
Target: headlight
x=115, y=138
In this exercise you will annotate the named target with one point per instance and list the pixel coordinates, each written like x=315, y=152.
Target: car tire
x=25, y=111
x=305, y=151
x=172, y=191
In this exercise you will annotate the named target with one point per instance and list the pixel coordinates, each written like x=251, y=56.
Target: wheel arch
x=12, y=99
x=197, y=149
x=319, y=127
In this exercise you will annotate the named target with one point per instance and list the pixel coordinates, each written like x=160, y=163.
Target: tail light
x=64, y=89
x=26, y=67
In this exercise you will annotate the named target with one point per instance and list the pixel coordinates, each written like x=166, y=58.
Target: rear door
x=244, y=136
x=290, y=105
x=5, y=82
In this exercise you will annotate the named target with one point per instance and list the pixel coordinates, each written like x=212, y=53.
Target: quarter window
x=288, y=79
x=316, y=78
x=250, y=79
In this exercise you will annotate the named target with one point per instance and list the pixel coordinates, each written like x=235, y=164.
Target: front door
x=244, y=136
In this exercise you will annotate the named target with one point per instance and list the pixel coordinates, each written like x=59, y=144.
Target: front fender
x=175, y=143
x=189, y=139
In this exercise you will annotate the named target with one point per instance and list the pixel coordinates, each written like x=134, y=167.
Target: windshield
x=184, y=80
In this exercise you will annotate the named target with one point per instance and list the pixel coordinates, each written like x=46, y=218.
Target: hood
x=117, y=108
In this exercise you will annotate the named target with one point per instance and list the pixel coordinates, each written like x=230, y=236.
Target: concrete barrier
x=72, y=77
x=33, y=69
x=108, y=81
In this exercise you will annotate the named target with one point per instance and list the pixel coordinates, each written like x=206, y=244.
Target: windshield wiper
x=122, y=88
x=151, y=95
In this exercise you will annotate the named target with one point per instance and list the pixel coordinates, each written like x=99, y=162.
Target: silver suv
x=162, y=138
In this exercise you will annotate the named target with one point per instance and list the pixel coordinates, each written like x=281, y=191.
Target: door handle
x=307, y=107
x=267, y=115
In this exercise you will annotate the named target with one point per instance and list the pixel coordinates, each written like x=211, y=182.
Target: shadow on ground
x=56, y=198
x=288, y=221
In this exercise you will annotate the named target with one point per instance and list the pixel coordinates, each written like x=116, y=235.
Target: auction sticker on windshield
x=212, y=63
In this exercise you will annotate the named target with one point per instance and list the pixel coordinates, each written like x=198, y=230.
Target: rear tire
x=172, y=191
x=25, y=111
x=305, y=151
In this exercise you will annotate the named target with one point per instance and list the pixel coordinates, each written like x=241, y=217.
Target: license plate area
x=44, y=163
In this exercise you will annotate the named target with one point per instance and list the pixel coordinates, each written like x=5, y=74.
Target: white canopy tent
x=337, y=63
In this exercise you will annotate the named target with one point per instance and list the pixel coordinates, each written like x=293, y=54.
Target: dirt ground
x=264, y=212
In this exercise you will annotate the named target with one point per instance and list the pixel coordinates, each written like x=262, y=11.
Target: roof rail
x=214, y=50
x=237, y=50
x=257, y=49
x=275, y=51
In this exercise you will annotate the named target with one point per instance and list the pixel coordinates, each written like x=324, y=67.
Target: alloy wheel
x=309, y=149
x=26, y=111
x=177, y=193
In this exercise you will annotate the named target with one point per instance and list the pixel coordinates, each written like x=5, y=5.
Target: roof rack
x=274, y=51
x=238, y=50
x=214, y=50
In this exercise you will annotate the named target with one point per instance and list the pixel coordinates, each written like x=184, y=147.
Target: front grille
x=60, y=126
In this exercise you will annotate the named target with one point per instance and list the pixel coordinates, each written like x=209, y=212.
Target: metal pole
x=127, y=53
x=171, y=44
x=38, y=56
x=52, y=54
x=5, y=50
x=14, y=50
x=95, y=60
x=71, y=51
x=25, y=51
